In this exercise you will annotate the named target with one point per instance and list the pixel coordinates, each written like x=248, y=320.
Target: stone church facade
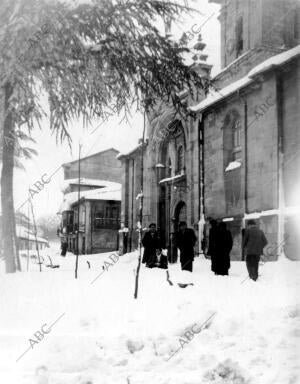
x=236, y=155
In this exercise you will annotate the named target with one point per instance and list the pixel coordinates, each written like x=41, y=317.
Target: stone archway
x=164, y=140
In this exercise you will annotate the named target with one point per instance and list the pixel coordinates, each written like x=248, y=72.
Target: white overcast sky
x=122, y=136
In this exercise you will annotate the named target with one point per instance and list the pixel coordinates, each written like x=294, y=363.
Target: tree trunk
x=8, y=219
x=141, y=213
x=18, y=262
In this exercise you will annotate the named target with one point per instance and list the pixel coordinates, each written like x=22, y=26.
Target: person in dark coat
x=185, y=241
x=151, y=244
x=212, y=244
x=223, y=249
x=163, y=260
x=64, y=247
x=254, y=243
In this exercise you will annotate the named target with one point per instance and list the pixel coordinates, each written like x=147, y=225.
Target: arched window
x=232, y=137
x=180, y=159
x=237, y=144
x=239, y=36
x=169, y=168
x=296, y=25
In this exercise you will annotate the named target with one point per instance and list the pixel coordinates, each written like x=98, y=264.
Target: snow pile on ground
x=220, y=330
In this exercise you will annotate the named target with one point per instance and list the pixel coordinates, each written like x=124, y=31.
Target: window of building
x=169, y=168
x=296, y=25
x=237, y=144
x=180, y=159
x=237, y=134
x=98, y=220
x=109, y=220
x=232, y=138
x=114, y=213
x=239, y=36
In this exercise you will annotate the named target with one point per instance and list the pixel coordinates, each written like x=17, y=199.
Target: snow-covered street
x=103, y=335
x=159, y=142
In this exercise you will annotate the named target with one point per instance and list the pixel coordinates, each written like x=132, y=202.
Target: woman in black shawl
x=212, y=245
x=223, y=249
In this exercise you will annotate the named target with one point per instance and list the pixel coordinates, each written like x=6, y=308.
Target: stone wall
x=105, y=240
x=262, y=138
x=291, y=160
x=291, y=144
x=103, y=166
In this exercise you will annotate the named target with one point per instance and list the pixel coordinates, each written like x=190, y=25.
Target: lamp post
x=141, y=197
x=157, y=167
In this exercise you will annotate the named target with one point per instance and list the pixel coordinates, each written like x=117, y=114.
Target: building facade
x=91, y=206
x=96, y=228
x=101, y=166
x=236, y=155
x=29, y=239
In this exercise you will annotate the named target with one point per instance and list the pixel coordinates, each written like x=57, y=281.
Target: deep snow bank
x=104, y=336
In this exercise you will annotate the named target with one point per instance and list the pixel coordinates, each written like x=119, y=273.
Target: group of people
x=185, y=240
x=153, y=256
x=220, y=246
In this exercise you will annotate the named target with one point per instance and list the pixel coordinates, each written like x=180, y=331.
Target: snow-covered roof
x=88, y=182
x=233, y=165
x=232, y=64
x=257, y=215
x=275, y=61
x=22, y=232
x=173, y=178
x=215, y=96
x=106, y=193
x=120, y=155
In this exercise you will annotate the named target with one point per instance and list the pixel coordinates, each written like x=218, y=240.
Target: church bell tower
x=254, y=30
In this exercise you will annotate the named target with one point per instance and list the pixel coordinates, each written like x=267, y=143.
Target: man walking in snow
x=254, y=243
x=151, y=243
x=185, y=241
x=64, y=247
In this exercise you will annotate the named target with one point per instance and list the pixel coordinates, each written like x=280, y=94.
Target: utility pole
x=78, y=217
x=141, y=211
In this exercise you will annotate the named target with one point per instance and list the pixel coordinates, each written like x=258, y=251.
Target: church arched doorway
x=180, y=214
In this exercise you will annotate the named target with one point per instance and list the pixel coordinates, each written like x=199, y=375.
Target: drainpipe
x=91, y=224
x=246, y=173
x=246, y=155
x=280, y=157
x=201, y=181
